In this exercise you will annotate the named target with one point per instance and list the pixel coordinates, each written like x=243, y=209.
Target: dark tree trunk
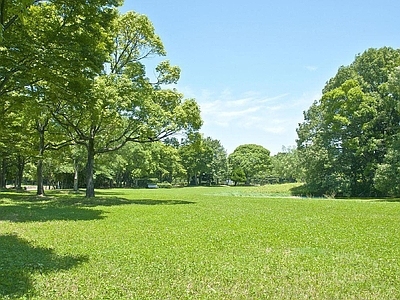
x=90, y=169
x=76, y=172
x=3, y=167
x=20, y=172
x=39, y=174
x=39, y=165
x=41, y=129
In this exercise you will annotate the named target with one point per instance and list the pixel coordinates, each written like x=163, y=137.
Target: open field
x=198, y=243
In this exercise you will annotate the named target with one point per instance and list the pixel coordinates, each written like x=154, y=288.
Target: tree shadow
x=115, y=201
x=20, y=260
x=300, y=191
x=43, y=213
x=16, y=207
x=160, y=202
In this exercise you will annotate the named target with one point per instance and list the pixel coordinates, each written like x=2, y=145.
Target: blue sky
x=254, y=66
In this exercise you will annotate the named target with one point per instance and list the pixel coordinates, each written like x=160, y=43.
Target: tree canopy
x=348, y=133
x=94, y=89
x=252, y=159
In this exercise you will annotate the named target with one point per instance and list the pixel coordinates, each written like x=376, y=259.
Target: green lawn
x=198, y=243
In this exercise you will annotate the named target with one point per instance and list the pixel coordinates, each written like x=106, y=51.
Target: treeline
x=194, y=160
x=349, y=142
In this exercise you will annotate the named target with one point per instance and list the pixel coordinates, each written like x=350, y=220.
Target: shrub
x=164, y=185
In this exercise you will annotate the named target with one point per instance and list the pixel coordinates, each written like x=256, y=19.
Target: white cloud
x=247, y=111
x=252, y=118
x=274, y=98
x=311, y=68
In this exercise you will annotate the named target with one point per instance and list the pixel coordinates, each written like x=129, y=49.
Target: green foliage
x=387, y=176
x=164, y=185
x=286, y=166
x=238, y=175
x=252, y=159
x=219, y=162
x=203, y=243
x=347, y=133
x=197, y=156
x=122, y=105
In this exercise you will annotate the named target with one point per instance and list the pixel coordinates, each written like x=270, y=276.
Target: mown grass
x=198, y=243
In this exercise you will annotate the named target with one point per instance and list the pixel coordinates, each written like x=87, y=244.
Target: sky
x=254, y=66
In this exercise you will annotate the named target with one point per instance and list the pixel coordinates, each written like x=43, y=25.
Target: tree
x=141, y=161
x=122, y=104
x=219, y=162
x=39, y=67
x=238, y=175
x=387, y=176
x=196, y=156
x=33, y=35
x=347, y=133
x=167, y=162
x=251, y=158
x=286, y=166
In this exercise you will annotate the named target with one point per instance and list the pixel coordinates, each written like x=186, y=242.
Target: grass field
x=198, y=243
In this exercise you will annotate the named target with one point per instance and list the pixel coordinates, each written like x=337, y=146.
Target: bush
x=165, y=185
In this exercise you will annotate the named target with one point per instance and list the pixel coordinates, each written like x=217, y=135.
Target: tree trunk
x=20, y=172
x=3, y=181
x=39, y=166
x=39, y=174
x=76, y=172
x=90, y=169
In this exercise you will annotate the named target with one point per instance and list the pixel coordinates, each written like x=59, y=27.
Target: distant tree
x=252, y=159
x=238, y=175
x=168, y=163
x=196, y=156
x=286, y=166
x=219, y=162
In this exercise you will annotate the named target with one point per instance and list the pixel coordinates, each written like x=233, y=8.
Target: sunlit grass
x=198, y=243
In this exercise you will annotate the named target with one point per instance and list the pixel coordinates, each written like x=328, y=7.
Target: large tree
x=123, y=105
x=50, y=50
x=347, y=133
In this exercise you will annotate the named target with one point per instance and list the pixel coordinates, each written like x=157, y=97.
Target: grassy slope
x=200, y=243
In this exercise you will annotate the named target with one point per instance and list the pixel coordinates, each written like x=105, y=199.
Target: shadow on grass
x=300, y=191
x=43, y=212
x=160, y=202
x=19, y=260
x=17, y=207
